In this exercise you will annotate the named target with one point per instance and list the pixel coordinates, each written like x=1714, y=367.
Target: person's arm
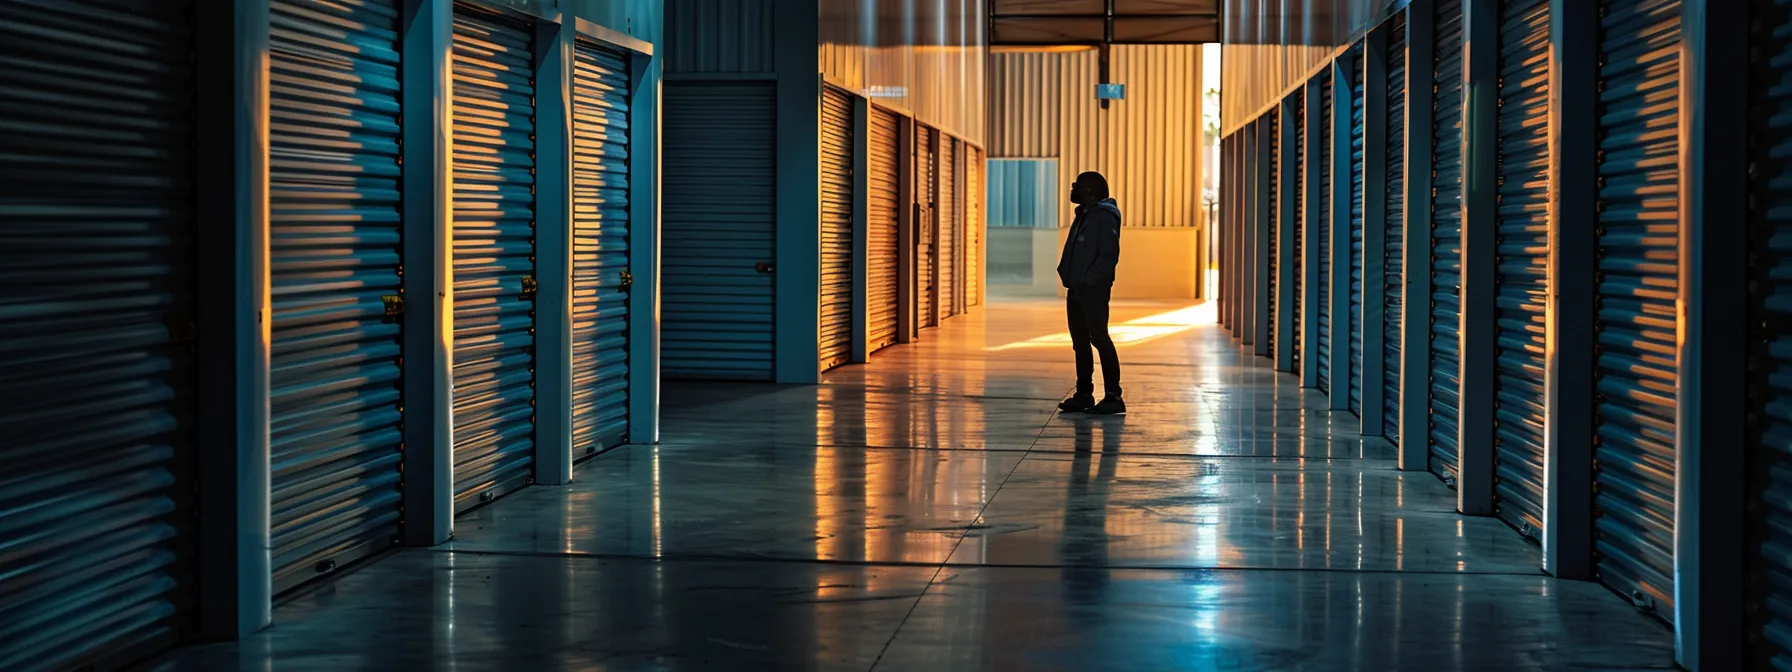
x=1107, y=249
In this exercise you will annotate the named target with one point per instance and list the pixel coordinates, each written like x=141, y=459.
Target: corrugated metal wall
x=718, y=36
x=1271, y=44
x=1148, y=145
x=1024, y=193
x=924, y=56
x=1252, y=75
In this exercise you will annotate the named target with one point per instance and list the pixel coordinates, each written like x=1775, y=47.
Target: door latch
x=628, y=279
x=529, y=287
x=765, y=267
x=394, y=305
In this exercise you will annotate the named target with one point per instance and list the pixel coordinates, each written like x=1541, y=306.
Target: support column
x=861, y=224
x=907, y=275
x=1262, y=212
x=1375, y=223
x=1311, y=189
x=1710, y=543
x=1339, y=292
x=1247, y=238
x=797, y=308
x=553, y=252
x=1287, y=266
x=1415, y=334
x=1573, y=281
x=1479, y=356
x=234, y=319
x=644, y=249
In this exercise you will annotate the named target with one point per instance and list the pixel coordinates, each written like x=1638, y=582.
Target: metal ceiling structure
x=1098, y=23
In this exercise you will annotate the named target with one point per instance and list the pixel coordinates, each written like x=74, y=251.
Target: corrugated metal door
x=973, y=226
x=1324, y=235
x=1297, y=153
x=719, y=174
x=927, y=267
x=1638, y=280
x=494, y=257
x=1770, y=356
x=1355, y=61
x=601, y=142
x=334, y=238
x=836, y=228
x=1271, y=125
x=1393, y=278
x=948, y=223
x=883, y=267
x=1446, y=238
x=97, y=319
x=1523, y=272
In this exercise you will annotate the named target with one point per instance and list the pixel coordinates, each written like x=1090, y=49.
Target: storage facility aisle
x=931, y=511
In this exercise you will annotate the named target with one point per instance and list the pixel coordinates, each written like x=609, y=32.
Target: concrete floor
x=930, y=511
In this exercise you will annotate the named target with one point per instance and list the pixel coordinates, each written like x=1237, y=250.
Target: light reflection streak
x=1132, y=332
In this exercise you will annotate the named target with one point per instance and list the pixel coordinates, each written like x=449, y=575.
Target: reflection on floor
x=930, y=511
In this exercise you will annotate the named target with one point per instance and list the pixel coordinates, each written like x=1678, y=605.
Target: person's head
x=1088, y=189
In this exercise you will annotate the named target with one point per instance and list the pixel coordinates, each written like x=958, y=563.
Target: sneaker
x=1076, y=404
x=1109, y=406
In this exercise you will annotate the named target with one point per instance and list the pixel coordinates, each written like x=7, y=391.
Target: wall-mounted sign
x=886, y=91
x=1110, y=92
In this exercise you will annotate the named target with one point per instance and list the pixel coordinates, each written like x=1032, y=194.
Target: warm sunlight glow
x=1134, y=332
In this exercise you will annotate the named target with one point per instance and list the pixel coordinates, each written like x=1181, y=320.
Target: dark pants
x=1088, y=313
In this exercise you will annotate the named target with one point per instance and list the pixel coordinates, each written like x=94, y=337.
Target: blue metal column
x=1375, y=225
x=234, y=318
x=1574, y=201
x=861, y=225
x=1262, y=211
x=1415, y=345
x=797, y=302
x=1247, y=236
x=1480, y=256
x=644, y=248
x=1710, y=566
x=1313, y=134
x=1287, y=192
x=553, y=251
x=1339, y=292
x=428, y=251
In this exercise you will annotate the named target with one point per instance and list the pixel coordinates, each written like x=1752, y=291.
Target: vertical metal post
x=908, y=269
x=1286, y=263
x=797, y=309
x=1480, y=255
x=234, y=319
x=1415, y=332
x=1569, y=317
x=1234, y=268
x=644, y=249
x=1375, y=222
x=861, y=228
x=1710, y=565
x=553, y=252
x=1311, y=189
x=1340, y=235
x=428, y=249
x=1263, y=212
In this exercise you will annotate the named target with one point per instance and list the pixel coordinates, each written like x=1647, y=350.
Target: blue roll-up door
x=1324, y=234
x=719, y=173
x=1272, y=134
x=926, y=226
x=1770, y=340
x=494, y=257
x=836, y=228
x=1523, y=268
x=96, y=327
x=1446, y=239
x=1296, y=152
x=1635, y=370
x=601, y=143
x=883, y=263
x=1394, y=244
x=334, y=383
x=1354, y=61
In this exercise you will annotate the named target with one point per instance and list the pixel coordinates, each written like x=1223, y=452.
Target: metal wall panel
x=602, y=140
x=1770, y=355
x=836, y=227
x=95, y=264
x=1253, y=75
x=1149, y=145
x=718, y=216
x=927, y=187
x=1024, y=193
x=1354, y=61
x=1024, y=93
x=1296, y=153
x=494, y=256
x=1394, y=280
x=1636, y=370
x=883, y=232
x=1446, y=238
x=719, y=36
x=1323, y=234
x=949, y=223
x=1272, y=169
x=1523, y=272
x=334, y=227
x=929, y=57
x=974, y=222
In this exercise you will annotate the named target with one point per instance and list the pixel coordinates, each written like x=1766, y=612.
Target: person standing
x=1091, y=253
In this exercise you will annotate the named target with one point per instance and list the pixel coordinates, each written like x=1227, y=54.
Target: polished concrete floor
x=931, y=511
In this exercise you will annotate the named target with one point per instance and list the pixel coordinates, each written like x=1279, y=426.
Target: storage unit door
x=601, y=142
x=1324, y=235
x=1355, y=61
x=719, y=173
x=836, y=228
x=926, y=222
x=1770, y=356
x=1446, y=238
x=883, y=263
x=1393, y=279
x=494, y=257
x=948, y=223
x=1271, y=135
x=974, y=197
x=1635, y=369
x=1523, y=271
x=334, y=383
x=96, y=253
x=1296, y=152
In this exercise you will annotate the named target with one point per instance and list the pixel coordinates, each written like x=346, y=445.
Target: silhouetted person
x=1091, y=253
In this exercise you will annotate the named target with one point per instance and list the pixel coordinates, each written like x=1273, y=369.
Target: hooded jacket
x=1093, y=248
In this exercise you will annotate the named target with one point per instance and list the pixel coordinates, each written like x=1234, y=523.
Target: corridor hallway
x=930, y=511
